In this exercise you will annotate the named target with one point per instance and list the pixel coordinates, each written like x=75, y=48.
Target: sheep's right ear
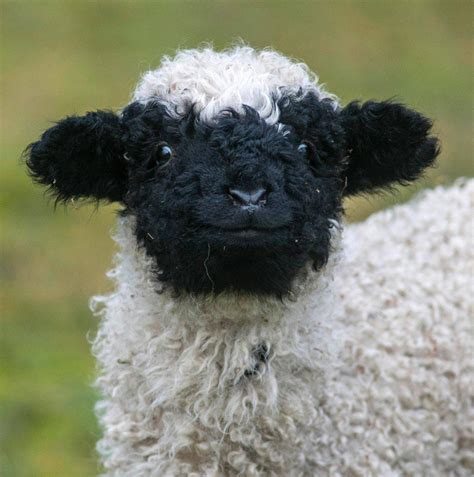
x=81, y=157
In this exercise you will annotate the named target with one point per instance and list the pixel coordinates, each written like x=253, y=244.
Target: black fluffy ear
x=386, y=142
x=81, y=156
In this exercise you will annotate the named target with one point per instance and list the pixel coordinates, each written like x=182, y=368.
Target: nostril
x=243, y=197
x=239, y=197
x=261, y=196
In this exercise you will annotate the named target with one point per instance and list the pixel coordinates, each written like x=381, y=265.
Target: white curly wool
x=212, y=81
x=370, y=370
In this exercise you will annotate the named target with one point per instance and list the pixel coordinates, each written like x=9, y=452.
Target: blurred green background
x=59, y=58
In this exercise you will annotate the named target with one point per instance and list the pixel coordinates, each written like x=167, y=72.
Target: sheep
x=250, y=332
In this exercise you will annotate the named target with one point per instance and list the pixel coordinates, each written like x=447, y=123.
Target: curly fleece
x=213, y=81
x=370, y=369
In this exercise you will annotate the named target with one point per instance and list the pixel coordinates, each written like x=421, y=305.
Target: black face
x=236, y=204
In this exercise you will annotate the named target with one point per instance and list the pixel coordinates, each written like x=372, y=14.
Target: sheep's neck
x=239, y=352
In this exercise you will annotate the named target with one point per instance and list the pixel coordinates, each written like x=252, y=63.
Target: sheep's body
x=233, y=164
x=395, y=301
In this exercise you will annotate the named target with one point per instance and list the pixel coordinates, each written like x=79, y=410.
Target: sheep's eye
x=303, y=149
x=164, y=153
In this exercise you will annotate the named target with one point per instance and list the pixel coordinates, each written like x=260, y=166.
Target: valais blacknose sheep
x=247, y=334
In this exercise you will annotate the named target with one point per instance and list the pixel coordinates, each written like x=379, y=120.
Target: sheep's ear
x=81, y=157
x=386, y=143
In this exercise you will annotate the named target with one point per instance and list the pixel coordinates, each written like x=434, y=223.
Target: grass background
x=63, y=57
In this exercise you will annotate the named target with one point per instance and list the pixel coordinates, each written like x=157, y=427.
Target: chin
x=257, y=274
x=250, y=260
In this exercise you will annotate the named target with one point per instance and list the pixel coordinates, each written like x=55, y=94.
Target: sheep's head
x=234, y=200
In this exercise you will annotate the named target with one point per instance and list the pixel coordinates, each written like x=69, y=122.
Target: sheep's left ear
x=81, y=157
x=386, y=143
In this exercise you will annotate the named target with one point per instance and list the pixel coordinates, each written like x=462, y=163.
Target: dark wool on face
x=237, y=203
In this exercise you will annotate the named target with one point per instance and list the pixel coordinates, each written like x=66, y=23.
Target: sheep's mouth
x=249, y=232
x=249, y=236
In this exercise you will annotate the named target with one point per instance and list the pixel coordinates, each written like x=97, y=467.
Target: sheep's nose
x=245, y=198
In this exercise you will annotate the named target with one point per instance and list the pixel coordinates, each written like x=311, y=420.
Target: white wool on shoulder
x=212, y=81
x=397, y=309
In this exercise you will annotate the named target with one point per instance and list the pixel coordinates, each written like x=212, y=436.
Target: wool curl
x=213, y=81
x=369, y=373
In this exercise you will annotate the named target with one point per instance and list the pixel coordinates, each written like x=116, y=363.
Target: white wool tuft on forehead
x=213, y=81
